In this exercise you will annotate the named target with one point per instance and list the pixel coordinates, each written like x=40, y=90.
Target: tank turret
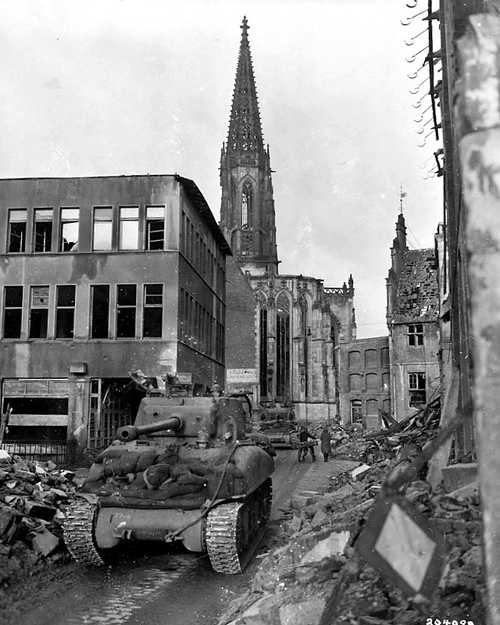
x=132, y=432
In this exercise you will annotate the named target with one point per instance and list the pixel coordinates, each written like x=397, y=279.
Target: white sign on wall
x=241, y=376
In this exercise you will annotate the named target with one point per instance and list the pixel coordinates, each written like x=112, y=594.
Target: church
x=299, y=322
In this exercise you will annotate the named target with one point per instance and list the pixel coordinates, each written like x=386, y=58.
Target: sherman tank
x=187, y=471
x=278, y=423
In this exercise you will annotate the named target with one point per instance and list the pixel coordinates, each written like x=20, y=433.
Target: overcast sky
x=144, y=86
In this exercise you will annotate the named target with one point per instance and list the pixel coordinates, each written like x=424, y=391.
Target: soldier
x=326, y=446
x=304, y=445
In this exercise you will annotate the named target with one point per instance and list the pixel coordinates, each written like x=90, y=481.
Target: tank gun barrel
x=131, y=432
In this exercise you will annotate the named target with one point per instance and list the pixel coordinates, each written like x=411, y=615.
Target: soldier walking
x=326, y=446
x=306, y=442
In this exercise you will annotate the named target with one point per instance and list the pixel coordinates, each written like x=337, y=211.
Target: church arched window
x=246, y=204
x=282, y=347
x=304, y=347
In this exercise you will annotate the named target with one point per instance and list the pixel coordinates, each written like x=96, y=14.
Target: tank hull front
x=115, y=524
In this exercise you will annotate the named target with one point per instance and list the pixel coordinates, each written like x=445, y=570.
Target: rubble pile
x=33, y=496
x=412, y=433
x=318, y=577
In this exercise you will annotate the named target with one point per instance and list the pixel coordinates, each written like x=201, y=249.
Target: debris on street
x=317, y=572
x=33, y=497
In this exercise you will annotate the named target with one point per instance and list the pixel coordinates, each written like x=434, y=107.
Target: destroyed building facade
x=364, y=384
x=413, y=322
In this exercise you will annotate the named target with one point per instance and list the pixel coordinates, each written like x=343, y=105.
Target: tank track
x=78, y=532
x=229, y=549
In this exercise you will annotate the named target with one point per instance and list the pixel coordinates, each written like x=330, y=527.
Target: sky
x=109, y=87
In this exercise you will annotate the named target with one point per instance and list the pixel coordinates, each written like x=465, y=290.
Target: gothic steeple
x=245, y=132
x=247, y=206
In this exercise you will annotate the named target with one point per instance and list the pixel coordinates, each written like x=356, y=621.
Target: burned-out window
x=129, y=228
x=68, y=234
x=416, y=334
x=416, y=389
x=39, y=312
x=17, y=230
x=65, y=312
x=126, y=302
x=153, y=310
x=99, y=321
x=356, y=411
x=155, y=227
x=103, y=229
x=13, y=312
x=42, y=232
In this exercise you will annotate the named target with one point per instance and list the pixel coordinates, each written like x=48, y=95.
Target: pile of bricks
x=33, y=496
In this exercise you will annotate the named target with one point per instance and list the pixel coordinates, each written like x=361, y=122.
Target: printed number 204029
x=447, y=621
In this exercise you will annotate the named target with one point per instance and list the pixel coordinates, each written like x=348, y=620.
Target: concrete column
x=479, y=120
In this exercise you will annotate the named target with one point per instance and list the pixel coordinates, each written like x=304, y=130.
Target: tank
x=188, y=470
x=278, y=424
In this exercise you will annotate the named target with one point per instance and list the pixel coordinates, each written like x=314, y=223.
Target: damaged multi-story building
x=102, y=276
x=413, y=323
x=299, y=322
x=364, y=382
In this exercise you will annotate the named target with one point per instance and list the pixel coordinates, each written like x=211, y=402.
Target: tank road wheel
x=78, y=532
x=233, y=530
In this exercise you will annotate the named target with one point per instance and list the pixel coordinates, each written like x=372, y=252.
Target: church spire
x=245, y=132
x=247, y=212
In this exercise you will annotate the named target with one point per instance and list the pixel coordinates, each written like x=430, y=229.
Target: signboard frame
x=365, y=544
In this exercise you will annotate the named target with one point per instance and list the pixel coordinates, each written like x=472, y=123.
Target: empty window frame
x=126, y=303
x=13, y=312
x=356, y=411
x=416, y=334
x=68, y=234
x=17, y=230
x=42, y=232
x=155, y=227
x=416, y=389
x=103, y=229
x=65, y=312
x=99, y=318
x=153, y=311
x=39, y=312
x=129, y=228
